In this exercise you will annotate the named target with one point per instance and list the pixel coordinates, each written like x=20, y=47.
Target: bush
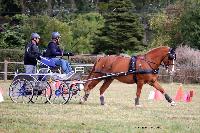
x=83, y=59
x=187, y=64
x=11, y=55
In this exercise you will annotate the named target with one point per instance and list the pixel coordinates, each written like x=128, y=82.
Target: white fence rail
x=5, y=72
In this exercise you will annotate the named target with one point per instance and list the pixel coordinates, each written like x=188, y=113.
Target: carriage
x=48, y=85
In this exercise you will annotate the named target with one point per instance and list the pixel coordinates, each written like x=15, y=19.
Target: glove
x=68, y=54
x=39, y=58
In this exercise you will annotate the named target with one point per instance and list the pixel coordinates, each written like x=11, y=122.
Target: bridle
x=171, y=55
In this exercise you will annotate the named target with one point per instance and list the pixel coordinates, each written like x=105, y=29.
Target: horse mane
x=156, y=49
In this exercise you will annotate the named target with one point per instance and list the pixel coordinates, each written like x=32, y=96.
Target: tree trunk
x=73, y=4
x=49, y=8
x=22, y=6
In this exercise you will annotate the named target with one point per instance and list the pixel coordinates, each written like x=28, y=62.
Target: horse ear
x=172, y=50
x=172, y=53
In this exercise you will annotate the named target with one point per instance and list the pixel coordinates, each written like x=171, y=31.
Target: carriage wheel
x=42, y=92
x=21, y=91
x=67, y=94
x=74, y=91
x=59, y=92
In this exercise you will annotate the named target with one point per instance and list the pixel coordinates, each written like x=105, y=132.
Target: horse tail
x=88, y=82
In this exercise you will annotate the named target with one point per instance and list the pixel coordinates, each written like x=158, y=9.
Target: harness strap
x=141, y=71
x=132, y=67
x=147, y=71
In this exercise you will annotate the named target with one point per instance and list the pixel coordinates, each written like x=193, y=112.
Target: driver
x=32, y=54
x=54, y=50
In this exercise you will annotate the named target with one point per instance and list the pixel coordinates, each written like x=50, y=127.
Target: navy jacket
x=31, y=54
x=53, y=50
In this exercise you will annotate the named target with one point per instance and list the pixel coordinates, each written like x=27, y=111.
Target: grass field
x=118, y=115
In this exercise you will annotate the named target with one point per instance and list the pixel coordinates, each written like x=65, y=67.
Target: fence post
x=5, y=69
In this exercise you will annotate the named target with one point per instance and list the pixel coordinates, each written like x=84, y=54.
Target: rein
x=107, y=75
x=151, y=62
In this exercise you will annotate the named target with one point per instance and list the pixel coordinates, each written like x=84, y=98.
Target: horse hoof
x=138, y=106
x=173, y=103
x=102, y=104
x=81, y=101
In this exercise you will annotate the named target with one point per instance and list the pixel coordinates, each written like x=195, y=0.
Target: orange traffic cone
x=191, y=93
x=158, y=95
x=188, y=96
x=1, y=96
x=179, y=93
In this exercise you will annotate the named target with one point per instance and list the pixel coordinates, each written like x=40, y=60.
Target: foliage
x=150, y=6
x=44, y=26
x=12, y=37
x=157, y=24
x=122, y=30
x=188, y=64
x=9, y=7
x=83, y=28
x=11, y=54
x=74, y=37
x=63, y=28
x=189, y=25
x=187, y=56
x=178, y=24
x=84, y=6
x=15, y=55
x=36, y=7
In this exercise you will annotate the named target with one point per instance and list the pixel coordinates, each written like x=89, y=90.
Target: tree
x=83, y=28
x=35, y=7
x=177, y=24
x=122, y=30
x=12, y=35
x=10, y=7
x=189, y=25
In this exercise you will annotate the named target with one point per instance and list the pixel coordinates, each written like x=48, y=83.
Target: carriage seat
x=48, y=65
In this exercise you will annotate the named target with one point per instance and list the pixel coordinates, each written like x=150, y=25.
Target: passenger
x=54, y=50
x=32, y=54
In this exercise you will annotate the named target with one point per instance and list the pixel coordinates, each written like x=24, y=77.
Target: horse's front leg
x=139, y=88
x=167, y=97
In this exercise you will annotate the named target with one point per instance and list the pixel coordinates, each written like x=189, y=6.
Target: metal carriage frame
x=43, y=87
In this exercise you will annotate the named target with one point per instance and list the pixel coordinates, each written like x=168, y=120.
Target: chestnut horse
x=143, y=71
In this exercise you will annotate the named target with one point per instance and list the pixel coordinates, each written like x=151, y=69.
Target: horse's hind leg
x=167, y=97
x=105, y=85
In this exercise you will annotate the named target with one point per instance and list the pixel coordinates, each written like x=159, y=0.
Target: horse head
x=164, y=56
x=169, y=59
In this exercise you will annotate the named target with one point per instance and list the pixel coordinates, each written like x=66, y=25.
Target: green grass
x=117, y=116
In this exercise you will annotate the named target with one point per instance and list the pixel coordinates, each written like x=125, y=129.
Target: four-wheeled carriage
x=48, y=85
